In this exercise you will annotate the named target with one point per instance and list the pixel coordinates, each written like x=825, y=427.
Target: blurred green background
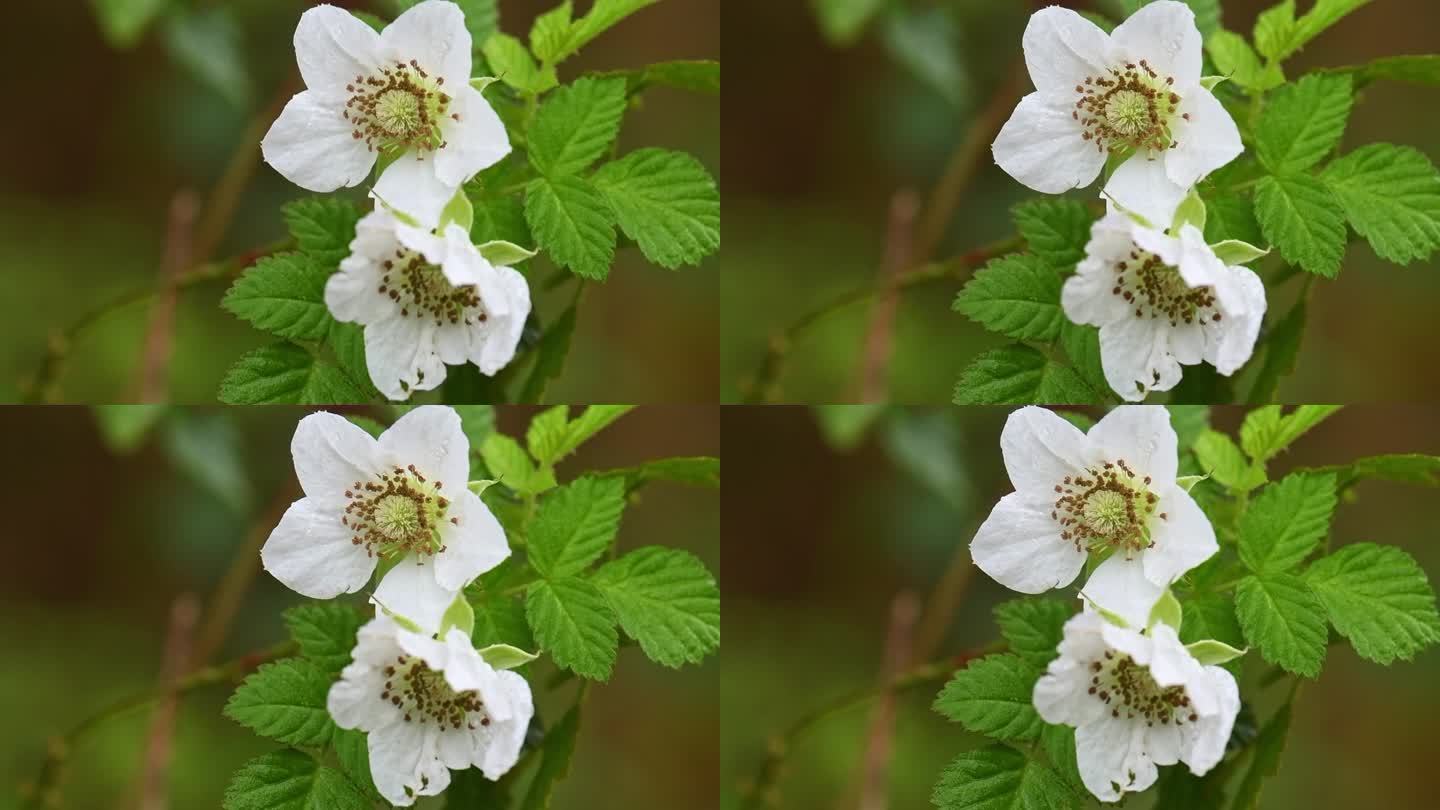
x=102, y=139
x=819, y=541
x=819, y=137
x=101, y=542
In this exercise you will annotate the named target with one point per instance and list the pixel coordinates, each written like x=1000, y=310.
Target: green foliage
x=1231, y=216
x=1221, y=459
x=574, y=624
x=842, y=21
x=556, y=37
x=1287, y=521
x=1282, y=351
x=1265, y=762
x=575, y=525
x=1001, y=778
x=1379, y=599
x=555, y=755
x=284, y=295
x=1033, y=627
x=573, y=222
x=1278, y=34
x=553, y=436
x=509, y=60
x=286, y=373
x=1303, y=122
x=1211, y=617
x=692, y=75
x=290, y=780
x=1391, y=195
x=1266, y=431
x=1016, y=295
x=507, y=461
x=285, y=701
x=667, y=601
x=123, y=22
x=500, y=620
x=323, y=227
x=1018, y=374
x=1301, y=217
x=325, y=632
x=700, y=471
x=993, y=696
x=576, y=126
x=1234, y=57
x=1188, y=421
x=1055, y=229
x=1404, y=468
x=1282, y=617
x=550, y=354
x=666, y=202
x=1417, y=69
x=353, y=752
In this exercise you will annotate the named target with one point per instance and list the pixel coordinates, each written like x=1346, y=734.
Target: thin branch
x=875, y=765
x=880, y=336
x=155, y=360
x=184, y=615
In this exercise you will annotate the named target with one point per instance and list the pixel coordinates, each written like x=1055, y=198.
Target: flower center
x=1110, y=506
x=397, y=109
x=1129, y=688
x=422, y=291
x=1156, y=290
x=1129, y=108
x=425, y=696
x=396, y=514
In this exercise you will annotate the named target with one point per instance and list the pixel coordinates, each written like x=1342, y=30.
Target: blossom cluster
x=1134, y=101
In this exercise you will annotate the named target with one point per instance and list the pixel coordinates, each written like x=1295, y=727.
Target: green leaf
x=550, y=354
x=575, y=625
x=284, y=295
x=666, y=202
x=1220, y=458
x=1404, y=468
x=576, y=126
x=1266, y=432
x=123, y=22
x=1265, y=762
x=1300, y=216
x=700, y=471
x=507, y=461
x=1055, y=229
x=1236, y=252
x=1391, y=195
x=285, y=701
x=353, y=753
x=1234, y=58
x=1275, y=31
x=1379, y=599
x=550, y=33
x=843, y=21
x=1231, y=216
x=1213, y=653
x=477, y=422
x=290, y=780
x=1019, y=374
x=323, y=227
x=667, y=601
x=347, y=343
x=1059, y=745
x=575, y=525
x=695, y=76
x=1033, y=627
x=482, y=19
x=1286, y=35
x=1281, y=616
x=1166, y=610
x=498, y=218
x=503, y=254
x=505, y=656
x=208, y=44
x=555, y=755
x=1188, y=421
x=1303, y=122
x=286, y=373
x=325, y=632
x=1082, y=346
x=1211, y=617
x=993, y=696
x=499, y=620
x=1001, y=778
x=553, y=436
x=509, y=60
x=1016, y=295
x=1282, y=349
x=574, y=224
x=1418, y=69
x=1286, y=521
x=603, y=15
x=125, y=427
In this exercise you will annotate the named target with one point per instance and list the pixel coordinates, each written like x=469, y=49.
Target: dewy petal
x=409, y=185
x=498, y=348
x=410, y=590
x=1235, y=337
x=1040, y=449
x=1144, y=437
x=311, y=553
x=476, y=141
x=1121, y=587
x=330, y=455
x=433, y=34
x=1019, y=546
x=1205, y=142
x=1133, y=352
x=1141, y=185
x=1164, y=34
x=473, y=547
x=1042, y=146
x=314, y=147
x=1183, y=540
x=1062, y=48
x=400, y=350
x=431, y=438
x=1205, y=739
x=1111, y=750
x=332, y=47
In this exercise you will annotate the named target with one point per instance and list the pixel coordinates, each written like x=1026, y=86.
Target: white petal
x=1168, y=248
x=395, y=753
x=331, y=454
x=351, y=295
x=1062, y=48
x=314, y=147
x=1019, y=546
x=1187, y=342
x=410, y=590
x=1164, y=34
x=1110, y=753
x=423, y=241
x=1040, y=449
x=1088, y=296
x=1200, y=267
x=433, y=34
x=1236, y=334
x=354, y=700
x=1121, y=587
x=376, y=643
x=498, y=349
x=473, y=547
x=1133, y=352
x=453, y=342
x=477, y=141
x=435, y=654
x=409, y=185
x=1143, y=436
x=1061, y=695
x=467, y=671
x=1183, y=540
x=401, y=350
x=332, y=47
x=1141, y=185
x=1163, y=742
x=1042, y=146
x=431, y=438
x=1205, y=739
x=1204, y=143
x=504, y=748
x=311, y=553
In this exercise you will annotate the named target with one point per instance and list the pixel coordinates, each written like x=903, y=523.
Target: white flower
x=1109, y=492
x=1162, y=301
x=429, y=707
x=1133, y=92
x=402, y=499
x=1136, y=701
x=403, y=94
x=426, y=300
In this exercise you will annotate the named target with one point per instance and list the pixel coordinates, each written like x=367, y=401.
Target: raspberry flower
x=1134, y=95
x=401, y=500
x=1136, y=700
x=426, y=299
x=429, y=706
x=1111, y=493
x=402, y=96
x=1162, y=301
